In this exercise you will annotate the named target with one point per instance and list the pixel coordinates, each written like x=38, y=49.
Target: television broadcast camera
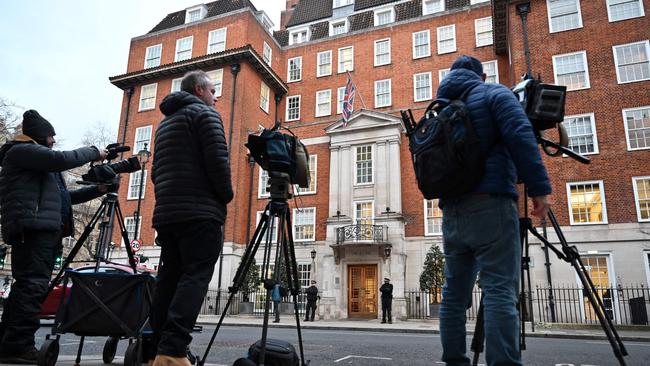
x=105, y=173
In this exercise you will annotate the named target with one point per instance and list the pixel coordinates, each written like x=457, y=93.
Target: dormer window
x=298, y=36
x=340, y=3
x=432, y=6
x=384, y=16
x=195, y=13
x=338, y=27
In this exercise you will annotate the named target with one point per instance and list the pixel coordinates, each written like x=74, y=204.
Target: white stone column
x=345, y=181
x=335, y=180
x=395, y=178
x=380, y=160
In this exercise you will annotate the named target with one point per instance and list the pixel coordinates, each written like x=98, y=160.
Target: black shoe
x=306, y=320
x=383, y=322
x=390, y=322
x=276, y=321
x=29, y=357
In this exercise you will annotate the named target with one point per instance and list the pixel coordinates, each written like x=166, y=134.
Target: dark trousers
x=386, y=309
x=188, y=254
x=32, y=261
x=311, y=306
x=276, y=310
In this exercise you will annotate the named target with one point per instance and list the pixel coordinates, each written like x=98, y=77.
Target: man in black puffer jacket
x=191, y=176
x=36, y=210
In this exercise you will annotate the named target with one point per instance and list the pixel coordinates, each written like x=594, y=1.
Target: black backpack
x=446, y=151
x=277, y=353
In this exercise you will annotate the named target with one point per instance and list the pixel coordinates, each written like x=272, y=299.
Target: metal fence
x=625, y=305
x=247, y=303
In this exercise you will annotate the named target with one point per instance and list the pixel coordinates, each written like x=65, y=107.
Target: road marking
x=75, y=343
x=625, y=343
x=365, y=357
x=386, y=334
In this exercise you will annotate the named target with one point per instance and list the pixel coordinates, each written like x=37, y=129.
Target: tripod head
x=279, y=186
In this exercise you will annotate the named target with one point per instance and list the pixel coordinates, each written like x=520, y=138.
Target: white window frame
x=441, y=76
x=636, y=197
x=130, y=194
x=289, y=78
x=154, y=86
x=609, y=13
x=585, y=64
x=377, y=12
x=287, y=118
x=262, y=192
x=293, y=224
x=617, y=65
x=176, y=57
x=550, y=19
x=390, y=94
x=174, y=81
x=354, y=211
x=340, y=96
x=627, y=133
x=333, y=23
x=372, y=165
x=318, y=63
x=341, y=3
x=274, y=233
x=476, y=32
x=342, y=69
x=472, y=2
x=329, y=103
x=139, y=144
x=413, y=37
x=147, y=57
x=299, y=31
x=602, y=195
x=438, y=30
x=496, y=71
x=218, y=81
x=592, y=119
x=267, y=53
x=434, y=204
x=213, y=34
x=264, y=103
x=415, y=90
x=389, y=52
x=129, y=233
x=202, y=13
x=424, y=6
x=313, y=172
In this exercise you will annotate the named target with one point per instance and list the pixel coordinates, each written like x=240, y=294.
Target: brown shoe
x=163, y=360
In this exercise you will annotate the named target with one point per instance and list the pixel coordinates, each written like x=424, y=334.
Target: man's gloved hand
x=106, y=188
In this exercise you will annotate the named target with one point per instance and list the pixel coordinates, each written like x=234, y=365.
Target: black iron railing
x=362, y=233
x=247, y=303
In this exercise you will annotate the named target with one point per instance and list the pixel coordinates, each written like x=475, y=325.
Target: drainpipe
x=523, y=10
x=251, y=163
x=129, y=94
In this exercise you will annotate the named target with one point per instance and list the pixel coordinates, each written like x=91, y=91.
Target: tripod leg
x=479, y=334
x=125, y=236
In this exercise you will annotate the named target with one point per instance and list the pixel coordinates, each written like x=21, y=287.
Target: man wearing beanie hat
x=36, y=210
x=481, y=228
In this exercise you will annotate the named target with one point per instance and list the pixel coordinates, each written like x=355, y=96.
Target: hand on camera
x=102, y=154
x=106, y=188
x=540, y=206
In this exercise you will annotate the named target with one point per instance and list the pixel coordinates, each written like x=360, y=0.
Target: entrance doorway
x=362, y=291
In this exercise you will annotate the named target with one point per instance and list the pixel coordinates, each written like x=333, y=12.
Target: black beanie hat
x=35, y=126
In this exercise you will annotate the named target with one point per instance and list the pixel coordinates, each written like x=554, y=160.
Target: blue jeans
x=481, y=234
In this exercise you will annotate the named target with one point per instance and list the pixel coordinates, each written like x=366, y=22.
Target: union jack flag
x=348, y=101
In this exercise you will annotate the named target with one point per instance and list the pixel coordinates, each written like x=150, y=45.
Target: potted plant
x=433, y=277
x=251, y=284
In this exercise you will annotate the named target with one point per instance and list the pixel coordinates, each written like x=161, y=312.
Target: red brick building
x=363, y=199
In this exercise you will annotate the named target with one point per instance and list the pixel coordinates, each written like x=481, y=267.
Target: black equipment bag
x=445, y=149
x=105, y=304
x=274, y=151
x=278, y=353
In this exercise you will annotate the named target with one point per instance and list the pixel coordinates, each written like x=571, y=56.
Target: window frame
x=438, y=29
x=609, y=13
x=585, y=63
x=333, y=23
x=289, y=79
x=593, y=128
x=550, y=18
x=476, y=32
x=340, y=97
x=389, y=52
x=339, y=69
x=383, y=10
x=347, y=2
x=293, y=224
x=270, y=52
x=155, y=92
x=274, y=235
x=496, y=71
x=176, y=58
x=617, y=65
x=413, y=45
x=286, y=115
x=202, y=13
x=415, y=91
x=265, y=107
x=635, y=188
x=298, y=31
x=179, y=80
x=627, y=133
x=261, y=187
x=147, y=58
x=126, y=219
x=210, y=39
x=390, y=93
x=312, y=164
x=329, y=103
x=424, y=7
x=372, y=165
x=147, y=141
x=440, y=76
x=318, y=63
x=426, y=218
x=354, y=212
x=217, y=90
x=601, y=186
x=130, y=190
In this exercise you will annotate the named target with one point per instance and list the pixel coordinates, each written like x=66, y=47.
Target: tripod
x=276, y=208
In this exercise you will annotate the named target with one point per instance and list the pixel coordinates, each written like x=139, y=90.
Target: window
x=340, y=96
x=293, y=108
x=382, y=52
x=564, y=15
x=323, y=103
x=637, y=126
x=624, y=9
x=632, y=62
x=304, y=274
x=598, y=269
x=194, y=14
x=447, y=39
x=295, y=69
x=262, y=190
x=142, y=136
x=338, y=27
x=298, y=36
x=472, y=2
x=304, y=224
x=587, y=203
x=153, y=56
x=442, y=73
x=346, y=59
x=216, y=76
x=422, y=87
x=491, y=71
x=432, y=218
x=217, y=40
x=129, y=226
x=134, y=185
x=432, y=6
x=571, y=70
x=176, y=84
x=183, y=49
x=324, y=64
x=265, y=95
x=421, y=44
x=274, y=232
x=339, y=3
x=363, y=161
x=483, y=28
x=382, y=93
x=312, y=174
x=642, y=197
x=384, y=16
x=364, y=213
x=148, y=97
x=582, y=133
x=267, y=53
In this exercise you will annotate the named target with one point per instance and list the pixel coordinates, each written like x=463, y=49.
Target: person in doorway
x=277, y=298
x=386, y=301
x=312, y=297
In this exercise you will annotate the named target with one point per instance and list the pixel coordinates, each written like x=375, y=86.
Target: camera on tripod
x=105, y=173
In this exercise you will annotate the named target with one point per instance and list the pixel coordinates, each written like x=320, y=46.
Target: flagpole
x=358, y=91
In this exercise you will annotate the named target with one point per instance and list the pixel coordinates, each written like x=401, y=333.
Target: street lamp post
x=143, y=157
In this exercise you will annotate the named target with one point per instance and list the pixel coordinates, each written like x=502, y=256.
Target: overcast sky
x=56, y=56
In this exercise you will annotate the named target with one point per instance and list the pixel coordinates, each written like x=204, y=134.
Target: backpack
x=277, y=353
x=445, y=149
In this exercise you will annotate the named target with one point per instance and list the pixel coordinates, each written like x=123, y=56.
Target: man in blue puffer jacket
x=481, y=228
